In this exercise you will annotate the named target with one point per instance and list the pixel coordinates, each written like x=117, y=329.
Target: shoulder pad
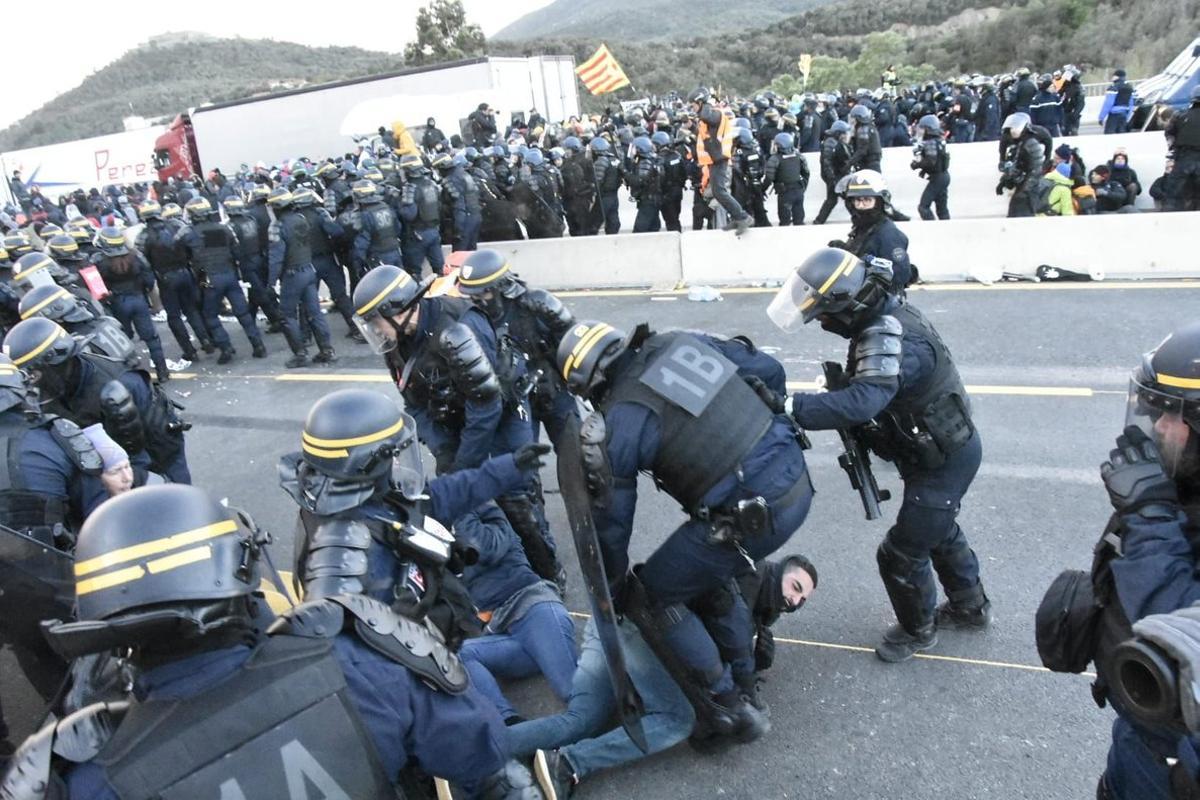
x=406, y=642
x=76, y=445
x=28, y=776
x=463, y=352
x=312, y=619
x=82, y=735
x=877, y=349
x=335, y=532
x=549, y=309
x=597, y=470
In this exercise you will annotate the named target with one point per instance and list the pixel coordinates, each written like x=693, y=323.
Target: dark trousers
x=299, y=288
x=330, y=273
x=260, y=296
x=831, y=200
x=421, y=245
x=1183, y=184
x=133, y=312
x=224, y=286
x=702, y=212
x=468, y=236
x=611, y=206
x=1116, y=123
x=647, y=217
x=180, y=298
x=935, y=193
x=791, y=205
x=719, y=177
x=672, y=204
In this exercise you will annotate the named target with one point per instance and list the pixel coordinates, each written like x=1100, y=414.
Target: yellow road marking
x=929, y=287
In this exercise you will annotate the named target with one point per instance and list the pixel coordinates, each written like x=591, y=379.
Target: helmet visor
x=408, y=473
x=1161, y=417
x=378, y=332
x=794, y=305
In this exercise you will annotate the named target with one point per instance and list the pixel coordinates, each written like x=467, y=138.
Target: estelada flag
x=601, y=73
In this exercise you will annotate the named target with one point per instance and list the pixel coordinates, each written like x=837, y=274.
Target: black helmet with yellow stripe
x=836, y=286
x=198, y=209
x=13, y=389
x=37, y=342
x=36, y=269
x=64, y=249
x=483, y=271
x=361, y=436
x=111, y=241
x=382, y=294
x=279, y=197
x=1164, y=400
x=54, y=303
x=584, y=353
x=157, y=568
x=17, y=243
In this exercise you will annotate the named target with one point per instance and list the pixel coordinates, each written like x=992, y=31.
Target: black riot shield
x=573, y=485
x=36, y=583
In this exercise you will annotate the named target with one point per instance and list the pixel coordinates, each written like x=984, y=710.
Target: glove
x=838, y=243
x=764, y=649
x=1134, y=475
x=1178, y=633
x=772, y=400
x=531, y=456
x=999, y=189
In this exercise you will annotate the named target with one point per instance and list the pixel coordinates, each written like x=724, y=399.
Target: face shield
x=1161, y=417
x=408, y=473
x=378, y=332
x=794, y=305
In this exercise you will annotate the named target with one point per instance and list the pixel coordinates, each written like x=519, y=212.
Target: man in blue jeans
x=528, y=628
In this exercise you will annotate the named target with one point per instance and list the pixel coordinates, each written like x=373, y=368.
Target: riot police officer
x=86, y=388
x=872, y=234
x=675, y=406
x=537, y=200
x=931, y=160
x=325, y=233
x=420, y=208
x=158, y=243
x=904, y=385
x=579, y=189
x=460, y=201
x=129, y=279
x=252, y=262
x=465, y=387
x=342, y=692
x=505, y=179
x=835, y=160
x=101, y=334
x=1183, y=136
x=608, y=171
x=866, y=152
x=211, y=248
x=377, y=238
x=1023, y=155
x=987, y=114
x=535, y=321
x=290, y=251
x=748, y=174
x=674, y=178
x=788, y=171
x=645, y=184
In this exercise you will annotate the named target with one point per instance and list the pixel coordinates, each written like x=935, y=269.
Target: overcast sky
x=55, y=53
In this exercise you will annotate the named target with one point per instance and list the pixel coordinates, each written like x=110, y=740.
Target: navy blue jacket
x=138, y=384
x=366, y=235
x=457, y=737
x=888, y=241
x=48, y=470
x=502, y=569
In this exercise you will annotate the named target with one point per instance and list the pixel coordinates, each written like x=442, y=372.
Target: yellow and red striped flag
x=601, y=73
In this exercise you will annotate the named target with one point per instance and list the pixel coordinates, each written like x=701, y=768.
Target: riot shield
x=573, y=485
x=36, y=583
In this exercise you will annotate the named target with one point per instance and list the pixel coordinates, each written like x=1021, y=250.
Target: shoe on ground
x=554, y=774
x=208, y=347
x=326, y=356
x=260, y=350
x=296, y=361
x=226, y=356
x=357, y=336
x=900, y=645
x=958, y=618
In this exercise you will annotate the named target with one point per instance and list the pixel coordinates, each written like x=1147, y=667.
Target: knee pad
x=894, y=563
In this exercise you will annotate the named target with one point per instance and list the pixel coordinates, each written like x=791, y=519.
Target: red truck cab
x=175, y=154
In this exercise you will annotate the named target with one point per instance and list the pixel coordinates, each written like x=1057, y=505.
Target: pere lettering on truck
x=689, y=374
x=109, y=172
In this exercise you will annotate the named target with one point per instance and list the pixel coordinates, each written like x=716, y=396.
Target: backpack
x=1039, y=197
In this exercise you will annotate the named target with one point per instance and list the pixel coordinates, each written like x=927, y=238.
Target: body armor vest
x=318, y=240
x=297, y=233
x=162, y=251
x=246, y=228
x=212, y=254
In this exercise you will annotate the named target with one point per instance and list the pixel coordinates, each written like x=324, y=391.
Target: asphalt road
x=976, y=718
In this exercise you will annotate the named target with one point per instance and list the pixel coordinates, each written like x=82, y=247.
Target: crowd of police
x=138, y=606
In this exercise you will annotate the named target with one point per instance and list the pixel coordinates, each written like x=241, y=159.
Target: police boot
x=227, y=354
x=355, y=334
x=519, y=511
x=299, y=355
x=554, y=774
x=325, y=356
x=259, y=349
x=744, y=723
x=900, y=645
x=966, y=609
x=207, y=346
x=190, y=354
x=748, y=686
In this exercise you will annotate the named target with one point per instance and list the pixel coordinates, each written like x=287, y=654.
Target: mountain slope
x=161, y=79
x=637, y=20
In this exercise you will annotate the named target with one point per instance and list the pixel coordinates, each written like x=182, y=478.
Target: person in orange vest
x=714, y=146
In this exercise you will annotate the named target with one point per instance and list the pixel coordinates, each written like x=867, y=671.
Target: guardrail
x=1098, y=89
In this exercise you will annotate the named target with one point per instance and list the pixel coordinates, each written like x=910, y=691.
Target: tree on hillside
x=443, y=34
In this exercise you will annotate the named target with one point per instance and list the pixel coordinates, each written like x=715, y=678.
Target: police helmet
x=383, y=293
x=599, y=145
x=1022, y=72
x=661, y=139
x=860, y=113
x=482, y=271
x=643, y=146
x=52, y=302
x=699, y=95
x=62, y=248
x=260, y=192
x=831, y=283
x=304, y=197
x=13, y=389
x=1044, y=81
x=373, y=174
x=471, y=154
x=325, y=169
x=280, y=197
x=584, y=353
x=931, y=124
x=772, y=114
x=299, y=169
x=361, y=436
x=784, y=142
x=198, y=208
x=865, y=183
x=39, y=342
x=17, y=244
x=534, y=158
x=32, y=264
x=839, y=127
x=5, y=258
x=442, y=161
x=158, y=566
x=500, y=150
x=459, y=160
x=1164, y=400
x=557, y=153
x=387, y=165
x=171, y=210
x=412, y=165
x=48, y=230
x=1016, y=122
x=234, y=206
x=80, y=229
x=573, y=144
x=745, y=137
x=741, y=122
x=150, y=210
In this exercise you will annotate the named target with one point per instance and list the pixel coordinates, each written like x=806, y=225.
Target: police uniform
x=252, y=262
x=874, y=235
x=212, y=250
x=289, y=242
x=460, y=196
x=378, y=238
x=675, y=407
x=932, y=160
x=325, y=233
x=420, y=207
x=645, y=184
x=1183, y=184
x=129, y=278
x=835, y=158
x=176, y=284
x=788, y=171
x=607, y=171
